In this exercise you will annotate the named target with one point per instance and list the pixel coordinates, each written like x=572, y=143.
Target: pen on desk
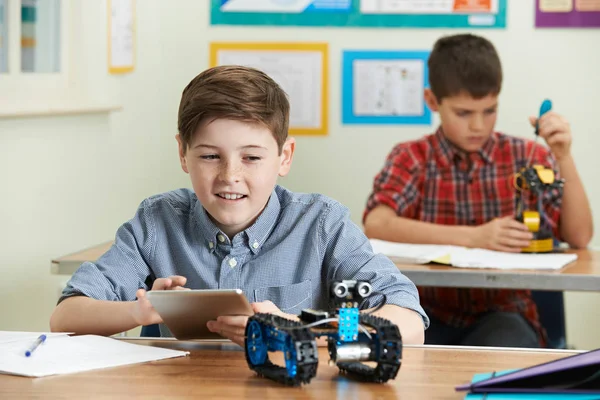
x=35, y=345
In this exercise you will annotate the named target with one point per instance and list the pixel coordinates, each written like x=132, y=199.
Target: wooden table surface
x=219, y=370
x=581, y=275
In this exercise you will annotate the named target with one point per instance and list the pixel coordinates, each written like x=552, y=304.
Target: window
x=3, y=37
x=45, y=67
x=40, y=36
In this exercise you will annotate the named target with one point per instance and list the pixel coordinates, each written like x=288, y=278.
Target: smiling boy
x=236, y=229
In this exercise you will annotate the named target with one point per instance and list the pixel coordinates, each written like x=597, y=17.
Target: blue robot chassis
x=353, y=337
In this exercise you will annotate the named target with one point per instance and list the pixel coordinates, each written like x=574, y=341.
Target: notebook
x=463, y=257
x=67, y=354
x=524, y=396
x=578, y=374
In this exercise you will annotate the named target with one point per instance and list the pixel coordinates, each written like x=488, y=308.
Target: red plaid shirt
x=432, y=180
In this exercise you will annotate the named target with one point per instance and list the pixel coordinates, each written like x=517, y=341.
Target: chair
x=150, y=331
x=551, y=309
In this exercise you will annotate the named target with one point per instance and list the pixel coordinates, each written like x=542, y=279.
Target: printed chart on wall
x=366, y=13
x=567, y=13
x=299, y=68
x=121, y=36
x=384, y=87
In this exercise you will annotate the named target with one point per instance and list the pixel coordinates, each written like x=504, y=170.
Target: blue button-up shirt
x=298, y=244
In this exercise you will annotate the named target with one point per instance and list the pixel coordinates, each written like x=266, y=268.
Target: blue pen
x=34, y=346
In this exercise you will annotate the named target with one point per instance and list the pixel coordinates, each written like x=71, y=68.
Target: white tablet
x=186, y=312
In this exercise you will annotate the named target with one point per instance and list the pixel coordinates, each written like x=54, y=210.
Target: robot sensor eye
x=340, y=290
x=364, y=289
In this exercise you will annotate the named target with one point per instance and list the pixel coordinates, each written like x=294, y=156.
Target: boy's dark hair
x=233, y=92
x=466, y=63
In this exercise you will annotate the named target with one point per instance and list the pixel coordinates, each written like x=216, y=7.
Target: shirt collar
x=448, y=152
x=256, y=234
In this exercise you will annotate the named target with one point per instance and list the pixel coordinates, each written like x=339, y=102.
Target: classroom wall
x=70, y=181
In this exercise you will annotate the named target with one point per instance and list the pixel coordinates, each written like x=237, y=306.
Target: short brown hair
x=233, y=92
x=464, y=62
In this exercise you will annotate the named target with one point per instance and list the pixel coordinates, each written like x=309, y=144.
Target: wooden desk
x=582, y=275
x=220, y=371
x=66, y=265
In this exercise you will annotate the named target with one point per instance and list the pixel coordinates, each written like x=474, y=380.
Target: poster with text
x=567, y=14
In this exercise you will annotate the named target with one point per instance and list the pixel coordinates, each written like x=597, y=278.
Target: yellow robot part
x=546, y=175
x=539, y=246
x=531, y=219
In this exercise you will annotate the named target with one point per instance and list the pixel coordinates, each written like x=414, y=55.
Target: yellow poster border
x=126, y=68
x=323, y=48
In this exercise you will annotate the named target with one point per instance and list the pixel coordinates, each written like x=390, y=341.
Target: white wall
x=69, y=182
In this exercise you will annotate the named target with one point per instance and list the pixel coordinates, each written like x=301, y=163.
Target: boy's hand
x=556, y=131
x=234, y=327
x=143, y=313
x=502, y=234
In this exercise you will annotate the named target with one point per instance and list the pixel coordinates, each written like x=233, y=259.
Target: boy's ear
x=287, y=155
x=182, y=158
x=431, y=100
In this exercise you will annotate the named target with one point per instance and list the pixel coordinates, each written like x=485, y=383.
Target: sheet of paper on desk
x=15, y=336
x=68, y=354
x=480, y=258
x=462, y=257
x=413, y=253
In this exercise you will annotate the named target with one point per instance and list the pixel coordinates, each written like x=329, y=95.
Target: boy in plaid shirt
x=455, y=187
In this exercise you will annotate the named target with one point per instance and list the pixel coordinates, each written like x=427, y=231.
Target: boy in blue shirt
x=236, y=229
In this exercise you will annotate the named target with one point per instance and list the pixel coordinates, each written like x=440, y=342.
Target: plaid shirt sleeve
x=552, y=200
x=398, y=184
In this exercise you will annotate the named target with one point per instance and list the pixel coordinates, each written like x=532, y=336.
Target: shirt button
x=255, y=245
x=221, y=238
x=211, y=245
x=232, y=262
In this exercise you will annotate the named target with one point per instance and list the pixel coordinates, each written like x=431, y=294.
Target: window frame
x=25, y=92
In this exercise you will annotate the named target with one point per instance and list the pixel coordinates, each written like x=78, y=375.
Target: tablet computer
x=186, y=312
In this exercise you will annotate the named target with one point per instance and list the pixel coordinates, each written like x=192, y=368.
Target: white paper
x=16, y=336
x=298, y=73
x=480, y=258
x=121, y=34
x=388, y=87
x=66, y=354
x=411, y=253
x=418, y=7
x=462, y=257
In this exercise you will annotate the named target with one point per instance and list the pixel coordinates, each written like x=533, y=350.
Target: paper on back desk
x=66, y=354
x=481, y=258
x=463, y=257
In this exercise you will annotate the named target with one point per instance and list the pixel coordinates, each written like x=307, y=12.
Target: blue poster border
x=348, y=58
x=354, y=18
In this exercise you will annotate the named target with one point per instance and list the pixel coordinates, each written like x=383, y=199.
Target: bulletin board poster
x=301, y=69
x=362, y=13
x=567, y=14
x=384, y=87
